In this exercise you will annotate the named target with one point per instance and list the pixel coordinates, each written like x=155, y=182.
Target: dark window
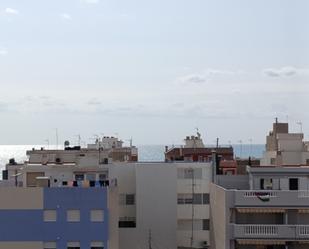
x=130, y=199
x=79, y=177
x=97, y=247
x=262, y=183
x=206, y=224
x=197, y=199
x=70, y=247
x=293, y=183
x=64, y=183
x=127, y=224
x=205, y=198
x=5, y=174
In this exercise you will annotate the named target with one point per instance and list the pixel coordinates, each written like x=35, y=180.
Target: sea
x=146, y=153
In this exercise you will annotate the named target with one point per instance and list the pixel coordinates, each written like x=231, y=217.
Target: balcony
x=282, y=232
x=271, y=198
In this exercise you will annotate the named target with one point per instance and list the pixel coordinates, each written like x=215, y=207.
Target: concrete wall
x=156, y=192
x=21, y=198
x=233, y=181
x=21, y=245
x=219, y=218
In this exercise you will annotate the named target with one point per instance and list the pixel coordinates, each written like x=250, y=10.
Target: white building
x=284, y=148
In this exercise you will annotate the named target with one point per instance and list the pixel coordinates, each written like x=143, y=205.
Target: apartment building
x=285, y=148
x=194, y=150
x=271, y=212
x=50, y=218
x=165, y=204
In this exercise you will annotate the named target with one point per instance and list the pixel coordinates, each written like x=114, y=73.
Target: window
x=50, y=245
x=79, y=177
x=103, y=176
x=130, y=199
x=266, y=183
x=206, y=224
x=97, y=245
x=205, y=198
x=127, y=222
x=197, y=199
x=90, y=177
x=186, y=225
x=73, y=215
x=73, y=245
x=293, y=183
x=97, y=215
x=189, y=173
x=127, y=199
x=50, y=215
x=272, y=161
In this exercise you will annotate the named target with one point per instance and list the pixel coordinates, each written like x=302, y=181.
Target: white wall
x=156, y=194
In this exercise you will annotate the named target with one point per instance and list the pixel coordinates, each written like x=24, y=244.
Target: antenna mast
x=149, y=240
x=57, y=142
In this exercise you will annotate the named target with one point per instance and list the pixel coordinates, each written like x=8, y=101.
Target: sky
x=152, y=70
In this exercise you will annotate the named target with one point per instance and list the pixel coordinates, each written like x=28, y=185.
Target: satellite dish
x=66, y=143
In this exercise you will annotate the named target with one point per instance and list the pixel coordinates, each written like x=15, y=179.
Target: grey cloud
x=94, y=102
x=193, y=78
x=285, y=71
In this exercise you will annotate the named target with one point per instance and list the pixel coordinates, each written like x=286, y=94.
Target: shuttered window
x=73, y=215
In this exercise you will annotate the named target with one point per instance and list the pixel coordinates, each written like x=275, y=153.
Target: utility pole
x=149, y=240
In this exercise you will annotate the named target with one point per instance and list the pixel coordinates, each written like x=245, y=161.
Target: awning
x=261, y=210
x=260, y=242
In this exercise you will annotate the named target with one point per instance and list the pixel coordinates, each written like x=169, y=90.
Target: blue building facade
x=31, y=225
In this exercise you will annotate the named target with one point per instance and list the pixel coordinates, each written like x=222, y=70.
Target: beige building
x=285, y=148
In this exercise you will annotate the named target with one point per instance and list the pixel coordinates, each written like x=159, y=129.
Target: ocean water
x=146, y=153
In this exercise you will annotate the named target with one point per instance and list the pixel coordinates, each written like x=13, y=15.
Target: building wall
x=219, y=218
x=23, y=219
x=156, y=192
x=21, y=245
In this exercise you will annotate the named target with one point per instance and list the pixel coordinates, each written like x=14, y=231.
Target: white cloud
x=90, y=1
x=207, y=74
x=285, y=71
x=66, y=16
x=11, y=11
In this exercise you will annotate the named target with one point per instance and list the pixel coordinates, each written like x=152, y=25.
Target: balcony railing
x=271, y=198
x=289, y=232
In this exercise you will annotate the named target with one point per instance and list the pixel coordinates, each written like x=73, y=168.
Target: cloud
x=90, y=1
x=94, y=102
x=193, y=79
x=3, y=51
x=285, y=71
x=66, y=16
x=208, y=74
x=11, y=11
x=211, y=71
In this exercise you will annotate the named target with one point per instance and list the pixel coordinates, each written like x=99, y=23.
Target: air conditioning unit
x=205, y=245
